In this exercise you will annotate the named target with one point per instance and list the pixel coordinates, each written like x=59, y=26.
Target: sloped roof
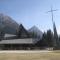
x=9, y=35
x=18, y=41
x=22, y=32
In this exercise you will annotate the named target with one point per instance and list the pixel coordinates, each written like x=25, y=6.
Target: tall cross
x=56, y=41
x=52, y=13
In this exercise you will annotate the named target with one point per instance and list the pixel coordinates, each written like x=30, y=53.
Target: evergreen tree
x=49, y=38
x=42, y=42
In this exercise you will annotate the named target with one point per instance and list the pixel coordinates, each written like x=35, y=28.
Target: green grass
x=30, y=56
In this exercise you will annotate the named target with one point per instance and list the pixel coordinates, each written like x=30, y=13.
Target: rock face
x=36, y=31
x=8, y=24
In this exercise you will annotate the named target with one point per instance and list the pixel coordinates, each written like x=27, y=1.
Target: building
x=22, y=40
x=15, y=36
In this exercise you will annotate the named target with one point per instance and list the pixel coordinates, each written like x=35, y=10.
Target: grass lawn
x=30, y=56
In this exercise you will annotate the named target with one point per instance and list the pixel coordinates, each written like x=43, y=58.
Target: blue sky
x=32, y=12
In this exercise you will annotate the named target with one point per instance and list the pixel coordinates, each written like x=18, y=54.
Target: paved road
x=25, y=51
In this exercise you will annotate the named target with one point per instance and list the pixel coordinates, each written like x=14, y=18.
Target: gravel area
x=24, y=51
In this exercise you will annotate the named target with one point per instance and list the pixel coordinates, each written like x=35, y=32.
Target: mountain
x=36, y=31
x=8, y=24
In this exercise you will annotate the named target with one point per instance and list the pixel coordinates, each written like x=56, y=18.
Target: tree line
x=47, y=39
